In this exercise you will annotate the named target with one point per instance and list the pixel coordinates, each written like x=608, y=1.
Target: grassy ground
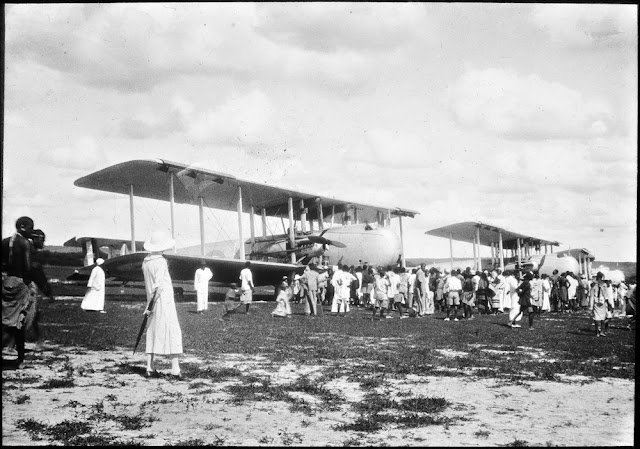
x=565, y=344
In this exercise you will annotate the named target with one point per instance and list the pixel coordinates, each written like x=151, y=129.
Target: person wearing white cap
x=164, y=335
x=94, y=298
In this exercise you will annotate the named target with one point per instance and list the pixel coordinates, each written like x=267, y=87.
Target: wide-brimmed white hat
x=99, y=261
x=159, y=241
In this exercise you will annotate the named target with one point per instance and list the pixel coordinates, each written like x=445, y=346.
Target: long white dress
x=163, y=329
x=201, y=285
x=94, y=298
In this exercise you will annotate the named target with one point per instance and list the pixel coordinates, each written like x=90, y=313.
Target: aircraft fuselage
x=378, y=246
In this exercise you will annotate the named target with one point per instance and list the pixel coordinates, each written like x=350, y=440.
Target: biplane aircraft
x=345, y=232
x=521, y=247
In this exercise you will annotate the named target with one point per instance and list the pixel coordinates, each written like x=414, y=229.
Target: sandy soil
x=576, y=411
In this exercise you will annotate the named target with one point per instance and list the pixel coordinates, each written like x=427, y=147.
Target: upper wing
x=183, y=268
x=467, y=232
x=152, y=178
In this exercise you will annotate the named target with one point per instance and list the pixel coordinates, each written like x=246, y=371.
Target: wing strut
x=171, y=202
x=264, y=222
x=401, y=241
x=252, y=227
x=320, y=216
x=133, y=228
x=303, y=217
x=451, y=250
x=201, y=208
x=292, y=235
x=240, y=222
x=501, y=250
x=478, y=243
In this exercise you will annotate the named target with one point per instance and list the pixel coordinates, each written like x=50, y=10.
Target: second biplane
x=332, y=231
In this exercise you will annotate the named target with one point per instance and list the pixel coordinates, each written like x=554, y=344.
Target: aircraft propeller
x=325, y=241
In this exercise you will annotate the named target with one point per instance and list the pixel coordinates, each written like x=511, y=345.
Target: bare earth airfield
x=257, y=380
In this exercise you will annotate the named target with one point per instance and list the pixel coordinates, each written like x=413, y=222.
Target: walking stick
x=144, y=321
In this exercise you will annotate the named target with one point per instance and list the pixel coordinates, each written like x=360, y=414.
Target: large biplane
x=320, y=228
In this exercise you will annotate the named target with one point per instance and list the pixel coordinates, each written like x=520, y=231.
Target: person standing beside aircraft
x=392, y=289
x=599, y=303
x=546, y=291
x=94, y=298
x=380, y=298
x=420, y=290
x=359, y=292
x=572, y=290
x=201, y=285
x=502, y=291
x=342, y=287
x=524, y=292
x=563, y=292
x=367, y=286
x=164, y=335
x=246, y=286
x=468, y=296
x=452, y=288
x=555, y=291
x=281, y=300
x=583, y=292
x=401, y=298
x=322, y=285
x=440, y=299
x=230, y=297
x=514, y=311
x=311, y=277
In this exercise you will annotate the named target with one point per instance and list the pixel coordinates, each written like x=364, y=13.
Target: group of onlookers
x=418, y=292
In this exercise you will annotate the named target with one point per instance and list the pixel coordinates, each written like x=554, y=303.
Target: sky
x=523, y=116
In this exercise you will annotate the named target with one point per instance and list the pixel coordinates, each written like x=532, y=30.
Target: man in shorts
x=452, y=287
x=380, y=299
x=246, y=286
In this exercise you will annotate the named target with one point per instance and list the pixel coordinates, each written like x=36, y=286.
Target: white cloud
x=331, y=27
x=588, y=24
x=134, y=47
x=389, y=149
x=244, y=120
x=82, y=155
x=507, y=104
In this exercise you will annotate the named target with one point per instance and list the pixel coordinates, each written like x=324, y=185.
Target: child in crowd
x=231, y=300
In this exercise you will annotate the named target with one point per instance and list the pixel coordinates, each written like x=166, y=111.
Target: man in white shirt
x=342, y=288
x=246, y=286
x=452, y=288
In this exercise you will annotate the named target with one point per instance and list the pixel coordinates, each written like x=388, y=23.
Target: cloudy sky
x=519, y=115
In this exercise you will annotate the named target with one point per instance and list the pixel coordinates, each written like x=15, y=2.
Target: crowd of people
x=396, y=291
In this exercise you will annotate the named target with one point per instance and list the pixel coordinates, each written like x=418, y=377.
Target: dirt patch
x=108, y=390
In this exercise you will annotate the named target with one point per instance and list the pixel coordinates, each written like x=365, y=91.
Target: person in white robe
x=201, y=285
x=515, y=313
x=546, y=294
x=94, y=298
x=164, y=335
x=501, y=288
x=284, y=292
